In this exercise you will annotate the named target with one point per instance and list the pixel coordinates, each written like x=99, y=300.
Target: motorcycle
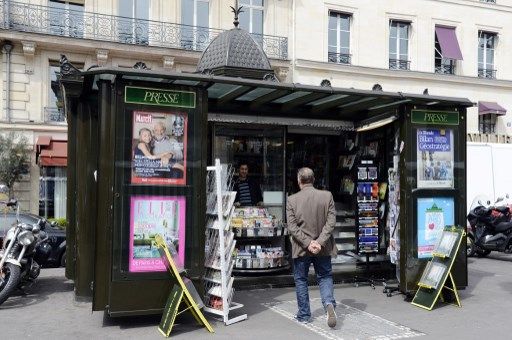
x=22, y=243
x=490, y=227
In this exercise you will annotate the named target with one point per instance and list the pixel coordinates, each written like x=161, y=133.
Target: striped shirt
x=245, y=193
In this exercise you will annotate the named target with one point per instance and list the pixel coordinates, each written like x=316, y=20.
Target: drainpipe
x=7, y=48
x=293, y=50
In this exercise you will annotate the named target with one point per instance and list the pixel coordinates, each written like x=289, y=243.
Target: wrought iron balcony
x=486, y=73
x=54, y=115
x=339, y=58
x=445, y=69
x=30, y=18
x=397, y=64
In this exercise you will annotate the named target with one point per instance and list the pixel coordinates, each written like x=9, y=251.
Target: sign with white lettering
x=160, y=97
x=434, y=117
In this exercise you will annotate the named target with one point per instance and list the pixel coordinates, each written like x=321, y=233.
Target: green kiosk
x=140, y=142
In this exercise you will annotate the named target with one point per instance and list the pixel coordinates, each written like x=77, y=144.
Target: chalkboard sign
x=437, y=280
x=181, y=294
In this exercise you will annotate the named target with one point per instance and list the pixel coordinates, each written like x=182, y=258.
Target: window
x=443, y=65
x=54, y=112
x=487, y=123
x=195, y=14
x=491, y=1
x=66, y=18
x=52, y=192
x=339, y=38
x=486, y=46
x=251, y=19
x=133, y=25
x=398, y=45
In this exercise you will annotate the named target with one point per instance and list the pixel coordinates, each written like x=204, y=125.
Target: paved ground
x=50, y=311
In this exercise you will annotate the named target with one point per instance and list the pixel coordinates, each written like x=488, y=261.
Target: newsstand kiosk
x=121, y=194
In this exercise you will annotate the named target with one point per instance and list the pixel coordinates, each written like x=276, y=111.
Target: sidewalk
x=50, y=311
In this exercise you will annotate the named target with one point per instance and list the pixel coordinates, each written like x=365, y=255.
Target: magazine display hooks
x=220, y=243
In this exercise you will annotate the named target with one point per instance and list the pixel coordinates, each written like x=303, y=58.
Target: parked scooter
x=490, y=227
x=18, y=268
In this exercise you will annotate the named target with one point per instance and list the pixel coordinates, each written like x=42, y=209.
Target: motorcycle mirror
x=41, y=223
x=36, y=228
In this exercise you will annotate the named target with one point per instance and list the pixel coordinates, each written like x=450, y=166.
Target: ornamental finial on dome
x=236, y=10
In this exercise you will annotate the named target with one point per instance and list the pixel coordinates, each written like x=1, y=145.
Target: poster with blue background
x=434, y=213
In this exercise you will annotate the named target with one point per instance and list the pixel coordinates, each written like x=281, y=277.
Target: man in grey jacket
x=311, y=217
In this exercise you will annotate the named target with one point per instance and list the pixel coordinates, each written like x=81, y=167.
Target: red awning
x=491, y=107
x=43, y=141
x=56, y=154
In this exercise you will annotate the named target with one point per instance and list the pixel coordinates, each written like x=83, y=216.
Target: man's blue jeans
x=323, y=270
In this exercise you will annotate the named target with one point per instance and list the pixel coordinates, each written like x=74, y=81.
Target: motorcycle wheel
x=483, y=253
x=10, y=276
x=470, y=247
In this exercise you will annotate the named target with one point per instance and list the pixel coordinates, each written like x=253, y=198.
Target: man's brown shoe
x=331, y=316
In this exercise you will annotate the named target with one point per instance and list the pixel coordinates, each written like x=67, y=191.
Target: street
x=50, y=311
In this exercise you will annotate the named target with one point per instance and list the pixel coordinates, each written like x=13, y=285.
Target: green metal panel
x=71, y=190
x=105, y=175
x=153, y=287
x=411, y=266
x=87, y=139
x=71, y=89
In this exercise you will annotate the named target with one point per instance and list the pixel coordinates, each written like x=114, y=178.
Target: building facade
x=454, y=48
x=457, y=48
x=163, y=34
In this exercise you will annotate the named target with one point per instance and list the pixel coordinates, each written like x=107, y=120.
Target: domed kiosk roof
x=235, y=53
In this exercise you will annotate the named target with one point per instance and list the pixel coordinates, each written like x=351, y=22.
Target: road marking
x=353, y=323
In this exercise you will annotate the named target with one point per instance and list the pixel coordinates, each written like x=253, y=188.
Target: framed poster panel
x=433, y=214
x=149, y=216
x=435, y=157
x=159, y=148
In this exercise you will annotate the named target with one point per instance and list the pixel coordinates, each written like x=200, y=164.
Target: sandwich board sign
x=183, y=295
x=437, y=280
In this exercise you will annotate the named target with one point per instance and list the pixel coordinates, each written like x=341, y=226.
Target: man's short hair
x=306, y=176
x=243, y=163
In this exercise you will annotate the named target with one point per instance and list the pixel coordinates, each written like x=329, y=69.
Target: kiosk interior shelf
x=368, y=207
x=344, y=232
x=260, y=241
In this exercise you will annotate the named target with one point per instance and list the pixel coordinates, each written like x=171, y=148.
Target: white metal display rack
x=220, y=244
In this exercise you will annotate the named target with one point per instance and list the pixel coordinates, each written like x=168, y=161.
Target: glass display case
x=259, y=230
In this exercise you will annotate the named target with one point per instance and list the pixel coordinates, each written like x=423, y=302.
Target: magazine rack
x=220, y=244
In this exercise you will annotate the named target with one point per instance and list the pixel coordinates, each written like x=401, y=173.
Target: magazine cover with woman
x=159, y=145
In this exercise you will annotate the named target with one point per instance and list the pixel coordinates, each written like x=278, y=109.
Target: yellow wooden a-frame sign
x=179, y=295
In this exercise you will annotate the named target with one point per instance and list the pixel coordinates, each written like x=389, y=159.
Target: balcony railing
x=339, y=58
x=445, y=69
x=486, y=73
x=23, y=17
x=397, y=64
x=53, y=115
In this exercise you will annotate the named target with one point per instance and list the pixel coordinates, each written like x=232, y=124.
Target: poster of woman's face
x=159, y=142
